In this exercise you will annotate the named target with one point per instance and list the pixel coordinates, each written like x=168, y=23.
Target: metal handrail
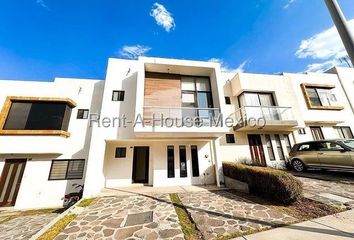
x=191, y=108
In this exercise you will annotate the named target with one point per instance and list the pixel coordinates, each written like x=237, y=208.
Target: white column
x=215, y=151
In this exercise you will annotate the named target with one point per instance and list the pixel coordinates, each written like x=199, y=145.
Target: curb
x=72, y=209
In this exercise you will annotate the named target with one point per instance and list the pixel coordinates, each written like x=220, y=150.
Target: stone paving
x=24, y=227
x=331, y=190
x=126, y=217
x=222, y=213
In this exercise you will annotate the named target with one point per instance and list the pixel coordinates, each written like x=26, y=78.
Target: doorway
x=317, y=133
x=256, y=149
x=141, y=165
x=10, y=181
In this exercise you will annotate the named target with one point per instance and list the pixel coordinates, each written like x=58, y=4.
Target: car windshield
x=348, y=143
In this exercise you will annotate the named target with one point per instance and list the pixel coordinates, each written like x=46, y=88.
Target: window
x=38, y=115
x=269, y=147
x=320, y=97
x=329, y=146
x=118, y=95
x=317, y=133
x=170, y=162
x=82, y=113
x=196, y=93
x=67, y=169
x=121, y=152
x=227, y=100
x=195, y=161
x=287, y=143
x=305, y=147
x=301, y=131
x=279, y=147
x=344, y=132
x=230, y=138
x=256, y=99
x=182, y=161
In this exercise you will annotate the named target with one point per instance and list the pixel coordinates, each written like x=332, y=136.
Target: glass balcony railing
x=180, y=116
x=267, y=113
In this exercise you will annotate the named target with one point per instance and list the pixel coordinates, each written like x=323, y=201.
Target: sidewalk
x=335, y=227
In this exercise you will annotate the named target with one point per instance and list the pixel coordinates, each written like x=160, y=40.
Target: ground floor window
x=170, y=162
x=67, y=169
x=182, y=161
x=317, y=133
x=344, y=132
x=269, y=147
x=279, y=147
x=287, y=143
x=195, y=161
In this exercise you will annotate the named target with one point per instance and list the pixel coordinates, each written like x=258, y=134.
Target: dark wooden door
x=10, y=181
x=256, y=149
x=317, y=133
x=141, y=165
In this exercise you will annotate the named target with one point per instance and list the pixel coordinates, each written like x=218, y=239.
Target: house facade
x=159, y=122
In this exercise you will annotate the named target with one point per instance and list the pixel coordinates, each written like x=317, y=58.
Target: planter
x=237, y=185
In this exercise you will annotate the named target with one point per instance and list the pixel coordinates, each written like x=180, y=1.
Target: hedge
x=272, y=184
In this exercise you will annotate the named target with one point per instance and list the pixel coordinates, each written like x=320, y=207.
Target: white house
x=159, y=122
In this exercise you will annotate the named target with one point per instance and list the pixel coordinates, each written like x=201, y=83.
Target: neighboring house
x=44, y=149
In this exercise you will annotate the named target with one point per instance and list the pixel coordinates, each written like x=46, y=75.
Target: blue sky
x=44, y=39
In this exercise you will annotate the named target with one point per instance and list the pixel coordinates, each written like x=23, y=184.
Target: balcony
x=267, y=118
x=188, y=122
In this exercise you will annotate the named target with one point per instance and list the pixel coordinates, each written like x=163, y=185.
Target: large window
x=196, y=93
x=195, y=161
x=256, y=99
x=269, y=147
x=320, y=96
x=182, y=161
x=38, y=115
x=279, y=147
x=67, y=169
x=170, y=162
x=344, y=132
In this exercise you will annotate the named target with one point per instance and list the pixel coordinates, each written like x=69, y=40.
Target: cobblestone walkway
x=24, y=227
x=330, y=191
x=221, y=213
x=126, y=217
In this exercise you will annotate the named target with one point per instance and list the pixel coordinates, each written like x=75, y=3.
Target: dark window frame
x=287, y=143
x=279, y=147
x=302, y=131
x=230, y=138
x=183, y=160
x=120, y=95
x=170, y=162
x=81, y=113
x=274, y=103
x=341, y=128
x=67, y=169
x=227, y=100
x=121, y=152
x=195, y=161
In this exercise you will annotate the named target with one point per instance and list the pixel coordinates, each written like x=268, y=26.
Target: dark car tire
x=298, y=165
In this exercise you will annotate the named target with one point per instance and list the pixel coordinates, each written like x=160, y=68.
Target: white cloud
x=226, y=68
x=42, y=4
x=163, y=17
x=133, y=52
x=326, y=46
x=288, y=4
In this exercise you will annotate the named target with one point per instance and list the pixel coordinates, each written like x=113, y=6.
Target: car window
x=305, y=147
x=349, y=143
x=329, y=146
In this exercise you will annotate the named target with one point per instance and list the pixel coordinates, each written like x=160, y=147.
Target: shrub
x=275, y=185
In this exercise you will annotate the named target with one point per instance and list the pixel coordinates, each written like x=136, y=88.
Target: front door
x=141, y=165
x=317, y=133
x=10, y=181
x=256, y=149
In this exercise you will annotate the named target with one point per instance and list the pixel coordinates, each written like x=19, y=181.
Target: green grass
x=57, y=227
x=14, y=215
x=189, y=229
x=86, y=202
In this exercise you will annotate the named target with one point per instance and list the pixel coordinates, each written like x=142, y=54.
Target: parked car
x=337, y=154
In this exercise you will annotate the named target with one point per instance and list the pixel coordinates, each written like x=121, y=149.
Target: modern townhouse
x=159, y=122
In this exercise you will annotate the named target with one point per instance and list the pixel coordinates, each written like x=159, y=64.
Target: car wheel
x=298, y=165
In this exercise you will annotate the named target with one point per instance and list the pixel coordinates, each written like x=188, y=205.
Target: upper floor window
x=82, y=113
x=118, y=95
x=38, y=115
x=196, y=92
x=320, y=96
x=227, y=100
x=256, y=99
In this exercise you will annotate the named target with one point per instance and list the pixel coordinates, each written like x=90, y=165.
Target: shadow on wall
x=95, y=107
